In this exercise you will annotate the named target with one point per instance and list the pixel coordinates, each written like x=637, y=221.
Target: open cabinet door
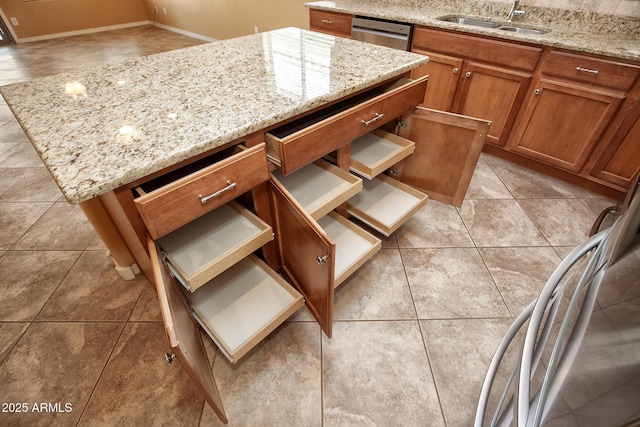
x=183, y=333
x=307, y=254
x=447, y=149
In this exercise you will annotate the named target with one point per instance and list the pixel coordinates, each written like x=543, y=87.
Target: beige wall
x=44, y=17
x=223, y=19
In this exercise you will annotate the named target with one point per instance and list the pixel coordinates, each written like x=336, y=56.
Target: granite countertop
x=99, y=128
x=609, y=35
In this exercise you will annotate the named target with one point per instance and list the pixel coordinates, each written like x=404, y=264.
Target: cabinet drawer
x=243, y=305
x=337, y=24
x=205, y=247
x=591, y=70
x=320, y=187
x=166, y=206
x=473, y=47
x=375, y=152
x=354, y=246
x=303, y=141
x=385, y=204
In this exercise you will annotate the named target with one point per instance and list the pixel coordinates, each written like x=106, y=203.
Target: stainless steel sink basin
x=522, y=30
x=470, y=21
x=486, y=23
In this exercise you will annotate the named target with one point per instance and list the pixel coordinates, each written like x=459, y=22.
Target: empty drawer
x=375, y=152
x=204, y=248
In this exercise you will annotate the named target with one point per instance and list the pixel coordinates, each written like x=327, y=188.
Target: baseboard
x=110, y=28
x=185, y=33
x=81, y=32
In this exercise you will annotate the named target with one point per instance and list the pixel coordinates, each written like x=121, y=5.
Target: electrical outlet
x=14, y=21
x=164, y=9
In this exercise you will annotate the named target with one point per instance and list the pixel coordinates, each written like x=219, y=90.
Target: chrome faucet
x=515, y=12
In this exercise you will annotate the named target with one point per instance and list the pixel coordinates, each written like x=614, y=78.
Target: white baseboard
x=110, y=28
x=80, y=32
x=186, y=33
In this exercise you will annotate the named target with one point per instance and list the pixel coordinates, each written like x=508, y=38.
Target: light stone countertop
x=99, y=128
x=609, y=35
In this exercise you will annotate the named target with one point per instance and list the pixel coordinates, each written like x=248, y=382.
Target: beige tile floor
x=414, y=328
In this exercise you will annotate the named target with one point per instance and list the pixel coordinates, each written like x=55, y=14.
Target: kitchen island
x=101, y=128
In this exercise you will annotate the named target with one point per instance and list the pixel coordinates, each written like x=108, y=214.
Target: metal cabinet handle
x=456, y=70
x=169, y=358
x=375, y=119
x=537, y=91
x=468, y=74
x=327, y=21
x=587, y=70
x=322, y=259
x=205, y=199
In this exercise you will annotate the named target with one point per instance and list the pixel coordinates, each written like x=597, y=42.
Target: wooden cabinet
x=309, y=247
x=476, y=77
x=336, y=24
x=570, y=107
x=620, y=162
x=561, y=123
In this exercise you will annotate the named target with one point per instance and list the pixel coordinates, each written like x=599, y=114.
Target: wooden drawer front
x=173, y=205
x=354, y=246
x=320, y=136
x=337, y=24
x=320, y=187
x=375, y=152
x=591, y=70
x=471, y=47
x=243, y=305
x=385, y=204
x=207, y=246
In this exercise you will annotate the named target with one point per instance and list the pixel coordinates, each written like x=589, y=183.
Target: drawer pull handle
x=587, y=70
x=327, y=21
x=375, y=119
x=322, y=259
x=230, y=185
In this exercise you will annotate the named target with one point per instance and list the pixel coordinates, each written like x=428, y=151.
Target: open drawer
x=243, y=305
x=205, y=247
x=385, y=204
x=354, y=246
x=320, y=187
x=172, y=200
x=375, y=152
x=305, y=140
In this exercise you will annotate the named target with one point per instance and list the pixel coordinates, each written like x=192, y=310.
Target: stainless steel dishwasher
x=384, y=33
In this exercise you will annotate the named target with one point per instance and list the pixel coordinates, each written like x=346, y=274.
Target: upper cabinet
x=475, y=77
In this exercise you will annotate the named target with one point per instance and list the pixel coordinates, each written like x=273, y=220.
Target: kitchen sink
x=470, y=21
x=522, y=30
x=487, y=23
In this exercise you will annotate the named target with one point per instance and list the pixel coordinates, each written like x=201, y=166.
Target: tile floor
x=414, y=328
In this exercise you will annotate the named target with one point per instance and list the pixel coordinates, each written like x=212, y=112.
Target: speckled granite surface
x=99, y=128
x=609, y=35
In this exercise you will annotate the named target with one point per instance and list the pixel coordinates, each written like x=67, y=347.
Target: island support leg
x=122, y=259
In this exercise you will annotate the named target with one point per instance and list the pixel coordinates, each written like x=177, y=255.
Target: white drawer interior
x=354, y=246
x=377, y=151
x=385, y=204
x=242, y=305
x=320, y=187
x=206, y=246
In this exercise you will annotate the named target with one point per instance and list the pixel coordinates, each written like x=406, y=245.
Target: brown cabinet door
x=493, y=94
x=447, y=150
x=620, y=162
x=562, y=123
x=307, y=254
x=443, y=72
x=183, y=333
